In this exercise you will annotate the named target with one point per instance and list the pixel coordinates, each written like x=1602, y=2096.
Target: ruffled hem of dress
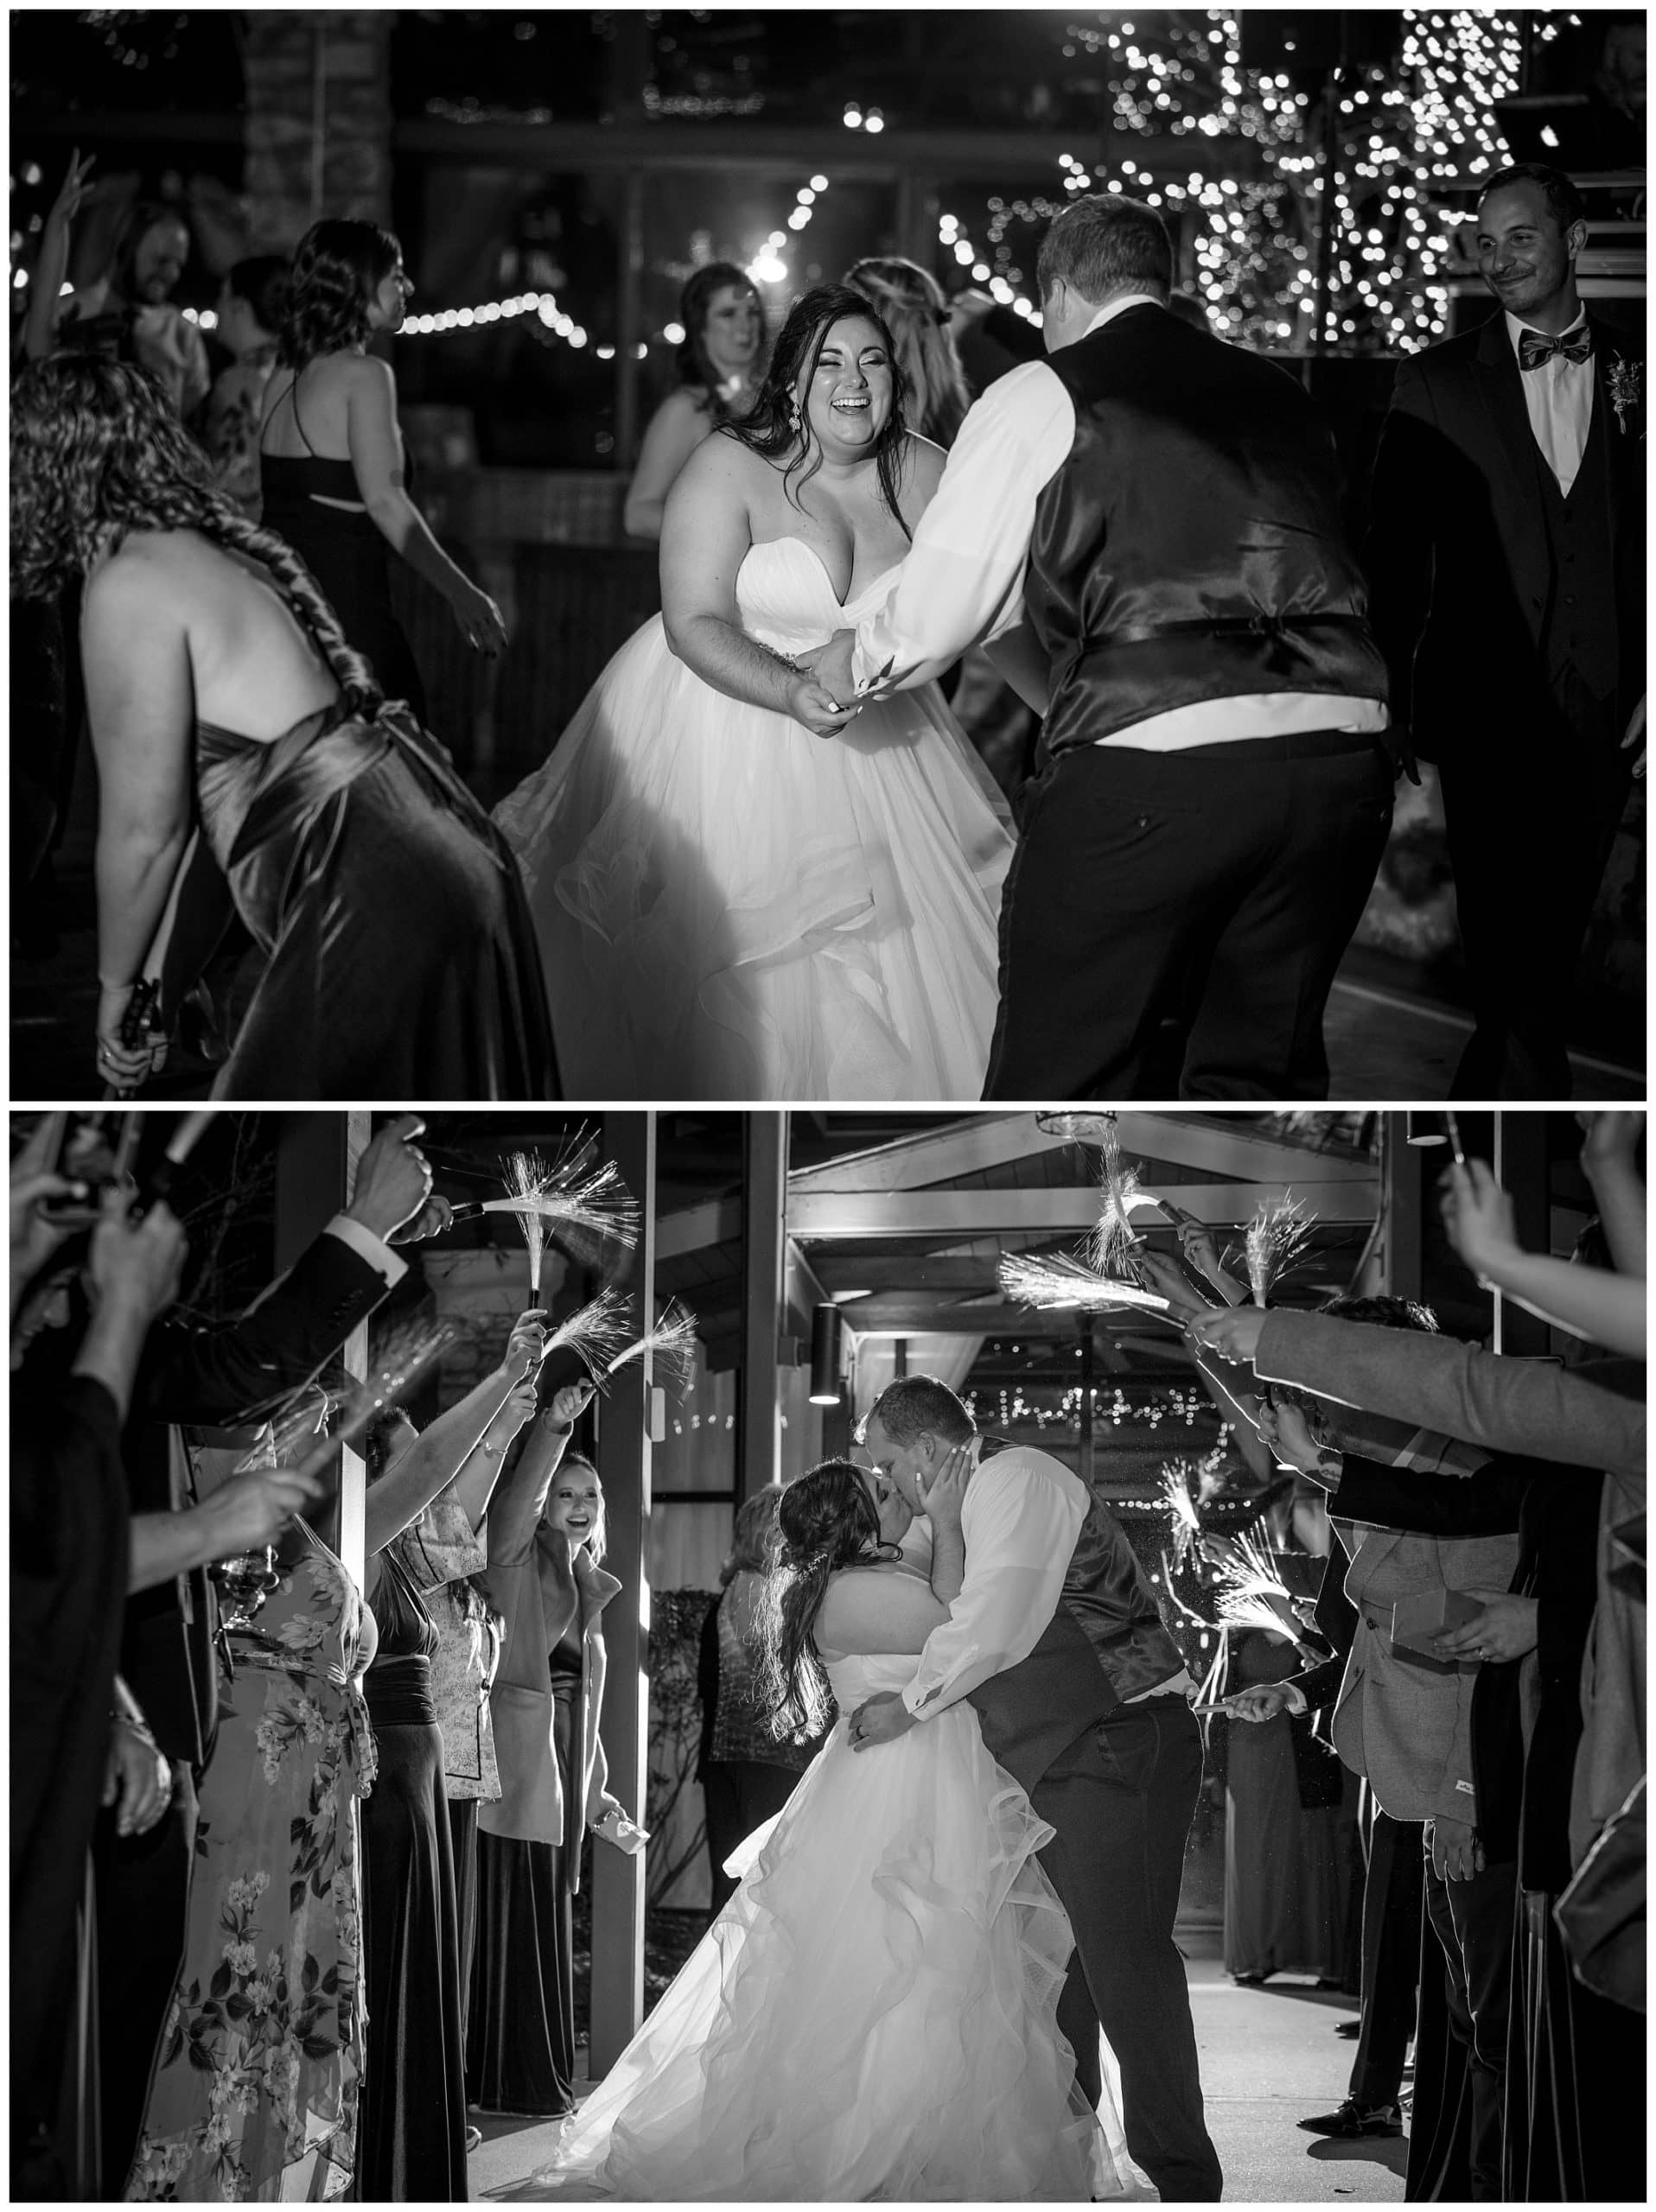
x=815, y=2131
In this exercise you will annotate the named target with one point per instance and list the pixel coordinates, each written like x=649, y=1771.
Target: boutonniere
x=1627, y=388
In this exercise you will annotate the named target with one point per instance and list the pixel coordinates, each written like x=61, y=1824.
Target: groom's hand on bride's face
x=881, y=1719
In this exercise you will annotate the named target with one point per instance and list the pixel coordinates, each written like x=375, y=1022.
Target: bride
x=873, y=2014
x=740, y=891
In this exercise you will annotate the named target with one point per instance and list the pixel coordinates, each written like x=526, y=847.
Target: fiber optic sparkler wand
x=158, y=1183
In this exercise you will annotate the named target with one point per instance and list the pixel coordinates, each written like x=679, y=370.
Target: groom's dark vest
x=1104, y=1644
x=1191, y=547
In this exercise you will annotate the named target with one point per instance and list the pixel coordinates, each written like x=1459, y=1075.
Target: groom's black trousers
x=1215, y=888
x=1121, y=1798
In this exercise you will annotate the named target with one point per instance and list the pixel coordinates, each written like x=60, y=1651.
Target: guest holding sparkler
x=546, y=1574
x=413, y=2130
x=445, y=1552
x=230, y=1373
x=221, y=691
x=1284, y=1910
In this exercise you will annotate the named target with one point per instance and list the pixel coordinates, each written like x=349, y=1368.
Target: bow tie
x=1534, y=348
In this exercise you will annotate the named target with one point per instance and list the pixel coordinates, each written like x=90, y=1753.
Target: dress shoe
x=1350, y=2029
x=1353, y=2120
x=473, y=2139
x=1249, y=1980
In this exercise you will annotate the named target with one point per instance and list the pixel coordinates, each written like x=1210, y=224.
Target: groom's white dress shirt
x=963, y=579
x=1558, y=397
x=1020, y=1530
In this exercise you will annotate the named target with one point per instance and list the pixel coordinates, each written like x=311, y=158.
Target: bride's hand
x=944, y=1495
x=809, y=701
x=832, y=665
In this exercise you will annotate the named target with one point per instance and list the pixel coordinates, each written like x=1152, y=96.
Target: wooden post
x=316, y=1166
x=1520, y=1166
x=1401, y=1168
x=629, y=318
x=764, y=1210
x=623, y=1458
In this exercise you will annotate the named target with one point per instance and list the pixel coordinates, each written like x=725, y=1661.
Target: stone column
x=318, y=121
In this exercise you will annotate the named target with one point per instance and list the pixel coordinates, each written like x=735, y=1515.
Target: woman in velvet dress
x=331, y=460
x=412, y=2136
x=545, y=1540
x=399, y=957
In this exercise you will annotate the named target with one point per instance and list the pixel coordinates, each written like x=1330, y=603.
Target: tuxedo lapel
x=1501, y=387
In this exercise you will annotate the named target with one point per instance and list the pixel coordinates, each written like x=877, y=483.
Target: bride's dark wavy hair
x=825, y=1521
x=338, y=266
x=97, y=452
x=777, y=420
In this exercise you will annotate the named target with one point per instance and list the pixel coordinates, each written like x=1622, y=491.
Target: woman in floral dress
x=263, y=2053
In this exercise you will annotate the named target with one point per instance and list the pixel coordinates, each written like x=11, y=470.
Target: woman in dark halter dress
x=400, y=960
x=331, y=461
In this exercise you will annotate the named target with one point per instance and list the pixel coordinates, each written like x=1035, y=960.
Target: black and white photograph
x=827, y=1106
x=827, y=1656
x=809, y=556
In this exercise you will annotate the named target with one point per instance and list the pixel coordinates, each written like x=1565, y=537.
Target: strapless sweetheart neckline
x=851, y=599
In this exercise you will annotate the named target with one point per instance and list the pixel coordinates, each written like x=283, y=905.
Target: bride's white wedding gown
x=730, y=907
x=872, y=2015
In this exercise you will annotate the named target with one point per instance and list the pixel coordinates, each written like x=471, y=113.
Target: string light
x=1406, y=136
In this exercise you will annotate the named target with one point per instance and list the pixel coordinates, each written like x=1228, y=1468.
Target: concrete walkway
x=1268, y=2056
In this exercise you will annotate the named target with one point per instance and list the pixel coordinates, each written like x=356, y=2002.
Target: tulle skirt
x=872, y=2016
x=729, y=908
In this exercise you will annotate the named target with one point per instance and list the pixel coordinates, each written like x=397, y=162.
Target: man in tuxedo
x=208, y=1377
x=1218, y=791
x=1055, y=1639
x=1506, y=553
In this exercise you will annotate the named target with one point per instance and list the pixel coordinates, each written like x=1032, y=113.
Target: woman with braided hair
x=873, y=2014
x=400, y=960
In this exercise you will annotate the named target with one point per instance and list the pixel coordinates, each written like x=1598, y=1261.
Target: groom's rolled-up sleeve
x=963, y=579
x=1020, y=1525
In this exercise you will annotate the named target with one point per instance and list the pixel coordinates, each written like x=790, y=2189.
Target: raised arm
x=1610, y=1161
x=1507, y=1405
x=432, y=1458
x=1606, y=1308
x=705, y=536
x=676, y=428
x=141, y=704
x=45, y=300
x=521, y=1497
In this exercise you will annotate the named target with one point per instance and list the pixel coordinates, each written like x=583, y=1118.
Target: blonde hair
x=911, y=301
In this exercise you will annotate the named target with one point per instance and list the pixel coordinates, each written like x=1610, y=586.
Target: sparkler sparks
x=1060, y=1282
x=1276, y=1240
x=670, y=1345
x=594, y=1333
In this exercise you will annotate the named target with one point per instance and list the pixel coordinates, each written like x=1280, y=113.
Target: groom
x=1055, y=1640
x=1218, y=791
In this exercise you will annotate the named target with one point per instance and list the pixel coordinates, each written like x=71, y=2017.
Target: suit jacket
x=1459, y=553
x=1489, y=1503
x=529, y=1580
x=1404, y=1720
x=1520, y=1406
x=219, y=1376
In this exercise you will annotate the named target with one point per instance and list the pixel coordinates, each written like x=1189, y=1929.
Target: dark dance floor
x=1394, y=1031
